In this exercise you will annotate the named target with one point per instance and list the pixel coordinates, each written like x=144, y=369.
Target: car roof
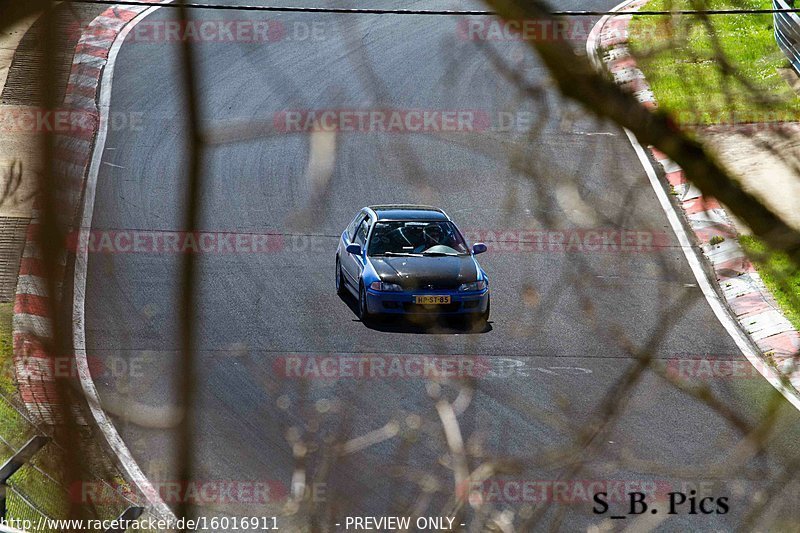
x=408, y=212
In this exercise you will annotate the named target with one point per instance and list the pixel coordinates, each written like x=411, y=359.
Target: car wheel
x=340, y=288
x=363, y=312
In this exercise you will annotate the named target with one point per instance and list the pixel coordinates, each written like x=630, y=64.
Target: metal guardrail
x=15, y=462
x=787, y=32
x=24, y=494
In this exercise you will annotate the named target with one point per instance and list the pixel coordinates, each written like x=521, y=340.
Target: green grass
x=7, y=386
x=43, y=491
x=780, y=276
x=677, y=55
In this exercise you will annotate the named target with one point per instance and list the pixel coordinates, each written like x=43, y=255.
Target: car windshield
x=410, y=238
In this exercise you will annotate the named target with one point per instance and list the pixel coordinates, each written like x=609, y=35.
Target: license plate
x=432, y=300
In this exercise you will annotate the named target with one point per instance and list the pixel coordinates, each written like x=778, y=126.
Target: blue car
x=410, y=260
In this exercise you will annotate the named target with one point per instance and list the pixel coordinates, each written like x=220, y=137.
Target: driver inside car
x=431, y=236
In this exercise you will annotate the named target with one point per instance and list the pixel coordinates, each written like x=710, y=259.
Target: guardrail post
x=14, y=463
x=131, y=513
x=787, y=31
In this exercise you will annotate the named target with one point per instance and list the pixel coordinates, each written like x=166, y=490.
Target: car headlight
x=474, y=286
x=381, y=286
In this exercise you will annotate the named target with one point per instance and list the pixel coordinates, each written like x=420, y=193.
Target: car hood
x=426, y=272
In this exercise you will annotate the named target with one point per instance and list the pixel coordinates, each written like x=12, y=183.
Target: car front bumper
x=403, y=303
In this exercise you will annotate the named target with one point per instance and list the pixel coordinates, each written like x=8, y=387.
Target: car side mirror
x=478, y=248
x=354, y=249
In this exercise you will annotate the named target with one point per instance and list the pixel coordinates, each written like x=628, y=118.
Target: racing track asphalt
x=554, y=322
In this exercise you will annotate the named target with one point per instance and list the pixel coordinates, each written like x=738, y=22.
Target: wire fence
x=38, y=493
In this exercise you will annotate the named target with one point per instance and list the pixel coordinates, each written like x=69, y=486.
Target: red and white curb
x=35, y=370
x=746, y=296
x=76, y=159
x=33, y=333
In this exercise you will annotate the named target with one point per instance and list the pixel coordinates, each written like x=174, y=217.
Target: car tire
x=363, y=313
x=341, y=290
